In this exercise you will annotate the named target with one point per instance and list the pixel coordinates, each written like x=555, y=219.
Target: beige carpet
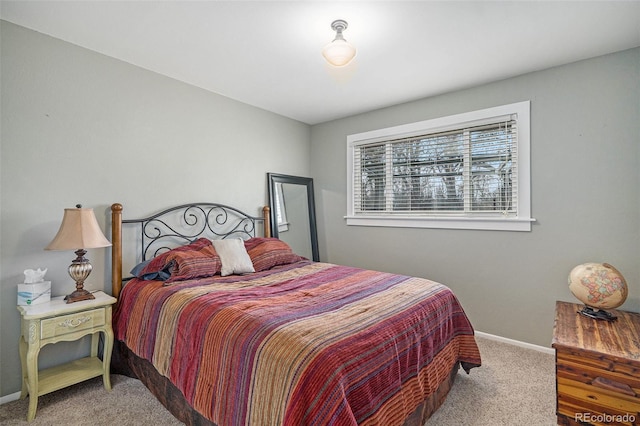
x=515, y=386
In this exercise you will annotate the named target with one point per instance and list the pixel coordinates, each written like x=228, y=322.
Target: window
x=281, y=210
x=467, y=171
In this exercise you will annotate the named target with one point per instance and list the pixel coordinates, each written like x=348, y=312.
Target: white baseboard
x=9, y=398
x=516, y=342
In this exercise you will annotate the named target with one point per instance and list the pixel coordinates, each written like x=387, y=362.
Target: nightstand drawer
x=71, y=323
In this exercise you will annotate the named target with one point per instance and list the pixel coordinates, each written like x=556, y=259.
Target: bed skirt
x=126, y=363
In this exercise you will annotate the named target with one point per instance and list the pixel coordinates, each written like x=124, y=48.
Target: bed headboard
x=180, y=225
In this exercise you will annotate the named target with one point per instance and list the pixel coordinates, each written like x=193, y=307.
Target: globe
x=598, y=285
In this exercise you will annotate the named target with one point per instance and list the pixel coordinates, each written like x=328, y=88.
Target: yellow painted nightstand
x=57, y=321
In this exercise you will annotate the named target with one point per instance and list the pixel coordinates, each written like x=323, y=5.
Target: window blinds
x=471, y=170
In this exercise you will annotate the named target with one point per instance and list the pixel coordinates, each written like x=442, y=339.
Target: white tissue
x=34, y=276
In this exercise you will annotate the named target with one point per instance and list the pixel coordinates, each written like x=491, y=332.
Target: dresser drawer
x=600, y=371
x=597, y=384
x=59, y=326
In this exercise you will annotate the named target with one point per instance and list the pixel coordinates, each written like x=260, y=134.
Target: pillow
x=160, y=275
x=159, y=268
x=233, y=256
x=187, y=265
x=265, y=253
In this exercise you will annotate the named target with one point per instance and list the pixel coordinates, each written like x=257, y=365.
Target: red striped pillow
x=265, y=253
x=163, y=261
x=188, y=265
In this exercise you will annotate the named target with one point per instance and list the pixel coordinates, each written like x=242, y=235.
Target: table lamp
x=79, y=231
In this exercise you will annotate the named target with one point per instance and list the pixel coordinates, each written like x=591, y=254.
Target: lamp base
x=79, y=270
x=79, y=295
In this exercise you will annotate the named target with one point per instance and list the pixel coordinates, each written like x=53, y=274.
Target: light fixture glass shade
x=79, y=230
x=339, y=52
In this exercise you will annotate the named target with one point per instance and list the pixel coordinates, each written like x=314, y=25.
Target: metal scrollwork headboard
x=180, y=225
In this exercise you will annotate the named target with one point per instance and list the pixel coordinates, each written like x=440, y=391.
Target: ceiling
x=267, y=53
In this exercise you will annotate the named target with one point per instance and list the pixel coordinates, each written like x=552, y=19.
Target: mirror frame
x=274, y=178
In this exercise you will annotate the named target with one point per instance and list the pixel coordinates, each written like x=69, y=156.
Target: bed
x=227, y=326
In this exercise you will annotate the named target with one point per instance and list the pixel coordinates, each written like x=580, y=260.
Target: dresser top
x=619, y=338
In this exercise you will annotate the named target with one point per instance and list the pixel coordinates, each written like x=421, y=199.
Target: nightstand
x=597, y=367
x=58, y=321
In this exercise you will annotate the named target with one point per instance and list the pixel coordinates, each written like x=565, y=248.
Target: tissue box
x=34, y=294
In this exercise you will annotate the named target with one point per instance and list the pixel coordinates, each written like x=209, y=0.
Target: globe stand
x=598, y=314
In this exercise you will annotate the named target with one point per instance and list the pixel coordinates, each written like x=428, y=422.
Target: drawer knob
x=614, y=386
x=74, y=322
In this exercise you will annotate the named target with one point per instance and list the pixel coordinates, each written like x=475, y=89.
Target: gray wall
x=79, y=127
x=585, y=149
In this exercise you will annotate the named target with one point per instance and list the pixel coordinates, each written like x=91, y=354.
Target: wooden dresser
x=597, y=367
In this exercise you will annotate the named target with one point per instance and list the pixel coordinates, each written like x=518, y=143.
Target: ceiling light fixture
x=339, y=52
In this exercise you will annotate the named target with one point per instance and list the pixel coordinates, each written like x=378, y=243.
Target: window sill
x=477, y=223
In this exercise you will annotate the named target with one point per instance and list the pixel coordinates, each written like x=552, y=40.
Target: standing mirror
x=293, y=213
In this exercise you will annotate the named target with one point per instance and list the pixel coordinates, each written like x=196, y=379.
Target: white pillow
x=233, y=256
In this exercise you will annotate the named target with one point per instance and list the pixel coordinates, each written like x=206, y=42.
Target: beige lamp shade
x=79, y=230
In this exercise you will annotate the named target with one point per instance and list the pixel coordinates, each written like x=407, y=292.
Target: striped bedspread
x=301, y=344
